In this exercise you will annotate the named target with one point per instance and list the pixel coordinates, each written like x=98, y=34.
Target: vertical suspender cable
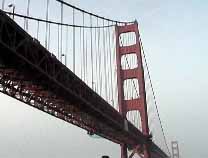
x=49, y=35
x=86, y=56
x=61, y=53
x=99, y=61
x=80, y=45
x=58, y=43
x=96, y=55
x=74, y=40
x=115, y=72
x=110, y=54
x=25, y=23
x=66, y=46
x=105, y=64
x=28, y=13
x=3, y=3
x=83, y=46
x=38, y=23
x=92, y=70
x=46, y=33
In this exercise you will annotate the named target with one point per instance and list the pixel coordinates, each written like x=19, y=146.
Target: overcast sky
x=174, y=35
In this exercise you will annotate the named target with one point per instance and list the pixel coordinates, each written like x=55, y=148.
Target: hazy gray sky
x=174, y=35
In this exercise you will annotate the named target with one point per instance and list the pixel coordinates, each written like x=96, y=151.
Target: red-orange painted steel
x=137, y=73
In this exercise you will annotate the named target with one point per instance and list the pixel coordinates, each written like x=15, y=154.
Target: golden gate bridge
x=85, y=69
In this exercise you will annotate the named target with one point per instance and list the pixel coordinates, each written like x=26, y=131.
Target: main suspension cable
x=54, y=22
x=89, y=13
x=153, y=92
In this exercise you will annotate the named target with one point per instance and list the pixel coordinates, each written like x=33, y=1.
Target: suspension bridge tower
x=139, y=103
x=175, y=149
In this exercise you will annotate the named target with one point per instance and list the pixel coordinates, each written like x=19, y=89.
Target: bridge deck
x=31, y=74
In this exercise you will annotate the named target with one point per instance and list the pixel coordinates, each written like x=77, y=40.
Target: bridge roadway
x=31, y=74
